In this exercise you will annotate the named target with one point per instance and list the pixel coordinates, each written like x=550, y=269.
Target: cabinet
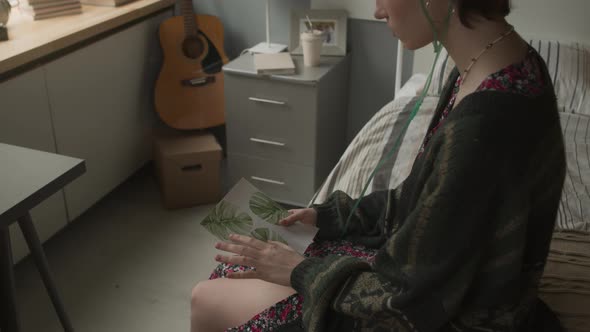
x=286, y=132
x=101, y=101
x=25, y=120
x=94, y=103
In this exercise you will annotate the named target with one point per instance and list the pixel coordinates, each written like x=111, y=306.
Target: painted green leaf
x=225, y=219
x=267, y=209
x=265, y=234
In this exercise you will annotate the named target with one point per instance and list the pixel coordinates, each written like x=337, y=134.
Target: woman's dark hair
x=490, y=9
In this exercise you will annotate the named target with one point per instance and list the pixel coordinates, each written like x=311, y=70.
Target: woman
x=461, y=244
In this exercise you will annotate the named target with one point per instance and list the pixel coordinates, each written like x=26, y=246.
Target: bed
x=565, y=285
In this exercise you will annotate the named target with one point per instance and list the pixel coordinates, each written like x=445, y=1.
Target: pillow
x=568, y=66
x=373, y=143
x=442, y=69
x=574, y=208
x=565, y=284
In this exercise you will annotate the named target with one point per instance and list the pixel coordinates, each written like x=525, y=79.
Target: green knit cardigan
x=462, y=242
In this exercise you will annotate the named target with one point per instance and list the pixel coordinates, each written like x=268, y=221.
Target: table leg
x=30, y=234
x=8, y=313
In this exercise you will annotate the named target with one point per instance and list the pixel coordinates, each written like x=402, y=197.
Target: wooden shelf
x=31, y=40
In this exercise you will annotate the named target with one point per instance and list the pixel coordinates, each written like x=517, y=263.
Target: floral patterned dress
x=522, y=78
x=289, y=309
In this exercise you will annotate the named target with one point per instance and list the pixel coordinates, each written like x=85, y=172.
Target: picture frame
x=332, y=22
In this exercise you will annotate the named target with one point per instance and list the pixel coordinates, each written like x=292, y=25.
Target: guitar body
x=189, y=89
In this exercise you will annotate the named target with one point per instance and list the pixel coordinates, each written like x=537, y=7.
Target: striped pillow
x=373, y=143
x=442, y=70
x=568, y=65
x=574, y=209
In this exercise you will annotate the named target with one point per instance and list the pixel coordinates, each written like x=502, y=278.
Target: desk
x=27, y=177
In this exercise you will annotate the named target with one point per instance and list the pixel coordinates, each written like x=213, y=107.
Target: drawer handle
x=267, y=180
x=268, y=101
x=263, y=141
x=190, y=168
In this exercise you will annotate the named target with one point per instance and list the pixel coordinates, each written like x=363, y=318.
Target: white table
x=27, y=177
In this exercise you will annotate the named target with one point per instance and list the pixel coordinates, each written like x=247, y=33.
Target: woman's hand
x=273, y=261
x=307, y=216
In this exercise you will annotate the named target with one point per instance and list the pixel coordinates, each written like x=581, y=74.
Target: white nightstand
x=286, y=132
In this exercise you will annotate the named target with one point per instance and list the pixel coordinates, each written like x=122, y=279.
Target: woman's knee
x=200, y=296
x=201, y=308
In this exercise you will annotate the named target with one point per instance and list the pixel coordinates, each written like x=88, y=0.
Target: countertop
x=31, y=40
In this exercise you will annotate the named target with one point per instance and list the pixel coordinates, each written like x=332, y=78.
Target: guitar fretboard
x=191, y=26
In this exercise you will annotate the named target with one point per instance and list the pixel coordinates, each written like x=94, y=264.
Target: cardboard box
x=188, y=168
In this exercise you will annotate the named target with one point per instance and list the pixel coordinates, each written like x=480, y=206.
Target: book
x=58, y=13
x=34, y=3
x=274, y=64
x=108, y=3
x=247, y=211
x=41, y=5
x=34, y=11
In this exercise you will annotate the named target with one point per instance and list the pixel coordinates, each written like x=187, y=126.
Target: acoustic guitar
x=189, y=89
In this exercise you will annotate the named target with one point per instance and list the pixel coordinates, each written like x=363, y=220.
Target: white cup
x=311, y=42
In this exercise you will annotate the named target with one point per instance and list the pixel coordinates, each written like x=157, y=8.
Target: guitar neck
x=191, y=25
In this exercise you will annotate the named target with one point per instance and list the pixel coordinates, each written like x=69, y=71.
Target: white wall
x=361, y=9
x=566, y=20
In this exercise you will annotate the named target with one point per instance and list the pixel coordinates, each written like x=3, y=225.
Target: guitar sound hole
x=192, y=47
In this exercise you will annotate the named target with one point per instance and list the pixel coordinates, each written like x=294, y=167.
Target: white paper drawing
x=246, y=210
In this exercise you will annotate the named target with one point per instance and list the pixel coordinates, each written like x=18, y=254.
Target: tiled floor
x=126, y=265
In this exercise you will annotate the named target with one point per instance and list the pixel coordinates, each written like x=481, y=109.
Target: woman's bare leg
x=222, y=303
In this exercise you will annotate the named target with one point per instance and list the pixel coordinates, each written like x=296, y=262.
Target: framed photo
x=333, y=24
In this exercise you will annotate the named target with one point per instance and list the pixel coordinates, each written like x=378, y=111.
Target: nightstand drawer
x=269, y=119
x=281, y=181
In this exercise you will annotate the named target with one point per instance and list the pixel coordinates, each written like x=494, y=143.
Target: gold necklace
x=485, y=49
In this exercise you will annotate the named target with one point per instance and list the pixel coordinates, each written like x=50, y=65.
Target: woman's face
x=407, y=21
